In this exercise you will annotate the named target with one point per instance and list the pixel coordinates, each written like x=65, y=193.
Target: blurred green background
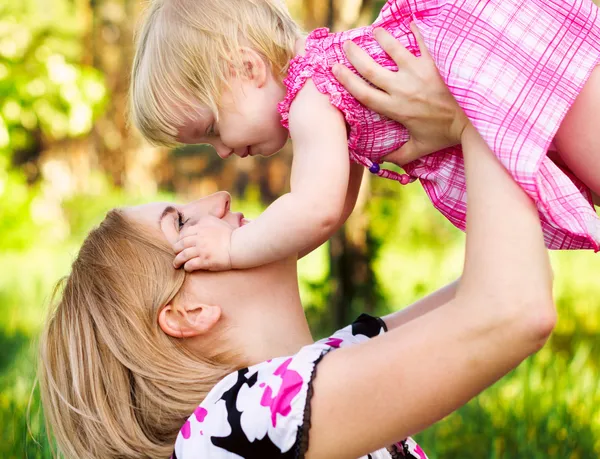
x=67, y=155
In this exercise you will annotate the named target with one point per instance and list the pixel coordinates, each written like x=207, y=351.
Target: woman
x=139, y=357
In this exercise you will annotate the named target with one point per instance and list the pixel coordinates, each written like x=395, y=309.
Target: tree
x=353, y=285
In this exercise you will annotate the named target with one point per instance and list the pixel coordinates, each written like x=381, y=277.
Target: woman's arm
x=372, y=395
x=430, y=303
x=369, y=396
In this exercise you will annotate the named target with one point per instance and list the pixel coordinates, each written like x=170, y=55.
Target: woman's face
x=243, y=297
x=170, y=219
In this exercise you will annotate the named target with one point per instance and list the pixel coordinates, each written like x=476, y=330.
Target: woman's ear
x=188, y=320
x=255, y=69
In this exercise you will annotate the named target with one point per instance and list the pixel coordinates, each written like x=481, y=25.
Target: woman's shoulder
x=363, y=328
x=260, y=411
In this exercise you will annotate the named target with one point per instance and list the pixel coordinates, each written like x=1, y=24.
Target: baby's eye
x=210, y=131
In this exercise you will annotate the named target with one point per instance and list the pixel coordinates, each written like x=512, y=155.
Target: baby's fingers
x=185, y=243
x=190, y=230
x=184, y=256
x=195, y=264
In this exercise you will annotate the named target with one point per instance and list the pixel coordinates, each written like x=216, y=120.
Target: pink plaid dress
x=514, y=66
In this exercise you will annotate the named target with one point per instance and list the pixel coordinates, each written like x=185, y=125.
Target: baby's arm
x=356, y=175
x=299, y=220
x=311, y=212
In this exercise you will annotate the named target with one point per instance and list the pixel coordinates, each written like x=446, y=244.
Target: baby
x=240, y=76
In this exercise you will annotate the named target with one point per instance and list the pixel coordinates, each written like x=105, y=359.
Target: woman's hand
x=415, y=95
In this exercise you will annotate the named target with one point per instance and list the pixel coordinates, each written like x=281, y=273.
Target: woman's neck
x=267, y=320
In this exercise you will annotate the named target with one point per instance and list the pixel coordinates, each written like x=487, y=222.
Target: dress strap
x=376, y=169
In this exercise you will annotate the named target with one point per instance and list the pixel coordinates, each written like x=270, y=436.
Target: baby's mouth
x=247, y=152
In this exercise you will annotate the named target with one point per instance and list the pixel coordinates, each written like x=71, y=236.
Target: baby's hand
x=204, y=245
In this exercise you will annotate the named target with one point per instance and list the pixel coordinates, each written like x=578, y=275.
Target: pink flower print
x=334, y=342
x=186, y=430
x=200, y=414
x=420, y=452
x=290, y=387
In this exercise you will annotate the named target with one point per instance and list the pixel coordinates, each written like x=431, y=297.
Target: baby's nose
x=224, y=152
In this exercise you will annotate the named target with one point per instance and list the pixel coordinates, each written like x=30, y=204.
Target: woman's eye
x=180, y=220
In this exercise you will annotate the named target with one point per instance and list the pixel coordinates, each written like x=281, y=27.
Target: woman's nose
x=216, y=205
x=221, y=204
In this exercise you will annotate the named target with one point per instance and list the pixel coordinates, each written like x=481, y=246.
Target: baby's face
x=248, y=122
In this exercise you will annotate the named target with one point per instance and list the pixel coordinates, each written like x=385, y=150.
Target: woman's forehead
x=149, y=214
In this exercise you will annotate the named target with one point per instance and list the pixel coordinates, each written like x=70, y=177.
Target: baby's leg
x=578, y=138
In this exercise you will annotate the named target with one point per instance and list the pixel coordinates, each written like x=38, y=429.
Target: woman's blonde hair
x=186, y=50
x=113, y=384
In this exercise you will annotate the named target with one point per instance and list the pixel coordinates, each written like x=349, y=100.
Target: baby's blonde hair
x=113, y=384
x=186, y=51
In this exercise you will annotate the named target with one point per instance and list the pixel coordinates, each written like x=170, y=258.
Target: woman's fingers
x=359, y=88
x=405, y=154
x=415, y=96
x=365, y=65
x=393, y=47
x=420, y=41
x=184, y=256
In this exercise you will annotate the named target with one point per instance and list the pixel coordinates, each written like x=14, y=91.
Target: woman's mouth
x=241, y=219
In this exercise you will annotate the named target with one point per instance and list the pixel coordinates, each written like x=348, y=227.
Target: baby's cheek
x=236, y=137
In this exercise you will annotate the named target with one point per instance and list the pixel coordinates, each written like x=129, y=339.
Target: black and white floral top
x=264, y=411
